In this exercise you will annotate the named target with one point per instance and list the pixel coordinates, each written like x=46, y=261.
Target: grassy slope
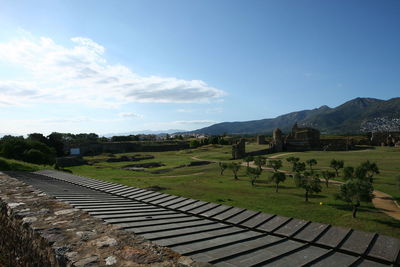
x=16, y=165
x=205, y=183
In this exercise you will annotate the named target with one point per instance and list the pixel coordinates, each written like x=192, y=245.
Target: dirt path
x=280, y=155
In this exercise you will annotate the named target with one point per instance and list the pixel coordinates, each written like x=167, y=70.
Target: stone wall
x=37, y=230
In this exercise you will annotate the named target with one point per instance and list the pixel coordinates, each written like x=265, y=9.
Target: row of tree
x=357, y=187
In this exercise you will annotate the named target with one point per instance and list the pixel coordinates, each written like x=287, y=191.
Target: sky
x=122, y=66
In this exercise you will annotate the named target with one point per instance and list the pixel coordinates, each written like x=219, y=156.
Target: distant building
x=74, y=151
x=305, y=139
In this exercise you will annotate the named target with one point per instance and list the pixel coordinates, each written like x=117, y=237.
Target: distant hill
x=355, y=116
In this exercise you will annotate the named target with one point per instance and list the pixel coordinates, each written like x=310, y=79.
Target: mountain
x=160, y=132
x=354, y=116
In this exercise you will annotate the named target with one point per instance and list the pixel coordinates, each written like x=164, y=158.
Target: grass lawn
x=206, y=183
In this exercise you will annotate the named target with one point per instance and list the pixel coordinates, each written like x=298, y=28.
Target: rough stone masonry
x=37, y=230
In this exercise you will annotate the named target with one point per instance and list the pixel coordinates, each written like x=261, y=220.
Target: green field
x=206, y=183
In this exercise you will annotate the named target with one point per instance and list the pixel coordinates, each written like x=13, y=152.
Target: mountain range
x=355, y=116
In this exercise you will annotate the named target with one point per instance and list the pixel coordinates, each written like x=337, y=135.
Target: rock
x=106, y=241
x=138, y=255
x=85, y=235
x=185, y=261
x=29, y=219
x=14, y=205
x=86, y=262
x=50, y=218
x=60, y=251
x=65, y=212
x=111, y=260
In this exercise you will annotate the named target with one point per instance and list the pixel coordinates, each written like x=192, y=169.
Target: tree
x=253, y=174
x=299, y=167
x=358, y=188
x=275, y=164
x=194, y=144
x=336, y=165
x=371, y=169
x=327, y=175
x=259, y=162
x=235, y=167
x=222, y=166
x=310, y=163
x=348, y=172
x=309, y=182
x=293, y=161
x=248, y=159
x=277, y=177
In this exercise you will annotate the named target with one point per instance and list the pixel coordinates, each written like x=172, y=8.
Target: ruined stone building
x=239, y=149
x=385, y=139
x=305, y=139
x=261, y=140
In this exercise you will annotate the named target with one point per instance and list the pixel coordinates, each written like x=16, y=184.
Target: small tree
x=357, y=189
x=253, y=174
x=293, y=161
x=327, y=175
x=275, y=164
x=348, y=172
x=277, y=177
x=310, y=183
x=371, y=169
x=248, y=159
x=235, y=167
x=310, y=163
x=259, y=161
x=336, y=165
x=299, y=167
x=222, y=166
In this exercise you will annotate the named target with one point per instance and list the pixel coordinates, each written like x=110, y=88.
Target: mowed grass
x=206, y=183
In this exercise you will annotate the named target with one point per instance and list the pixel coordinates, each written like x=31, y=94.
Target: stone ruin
x=239, y=149
x=305, y=139
x=261, y=140
x=385, y=139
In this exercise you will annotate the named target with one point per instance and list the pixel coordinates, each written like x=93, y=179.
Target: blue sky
x=121, y=66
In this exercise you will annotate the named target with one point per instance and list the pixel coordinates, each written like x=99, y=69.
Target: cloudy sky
x=121, y=66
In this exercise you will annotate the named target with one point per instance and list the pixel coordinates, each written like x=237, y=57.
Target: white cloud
x=129, y=115
x=81, y=74
x=182, y=110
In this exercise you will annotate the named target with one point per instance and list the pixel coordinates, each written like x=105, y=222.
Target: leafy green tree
x=248, y=159
x=235, y=167
x=336, y=165
x=348, y=172
x=371, y=169
x=222, y=166
x=309, y=182
x=277, y=177
x=299, y=167
x=293, y=161
x=327, y=175
x=259, y=162
x=194, y=144
x=310, y=163
x=358, y=188
x=275, y=164
x=253, y=174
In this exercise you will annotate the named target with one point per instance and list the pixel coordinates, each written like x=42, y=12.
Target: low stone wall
x=38, y=230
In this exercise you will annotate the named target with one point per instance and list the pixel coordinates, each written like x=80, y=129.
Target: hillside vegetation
x=355, y=116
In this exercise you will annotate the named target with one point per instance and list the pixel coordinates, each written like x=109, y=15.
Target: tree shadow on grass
x=313, y=196
x=349, y=208
x=392, y=223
